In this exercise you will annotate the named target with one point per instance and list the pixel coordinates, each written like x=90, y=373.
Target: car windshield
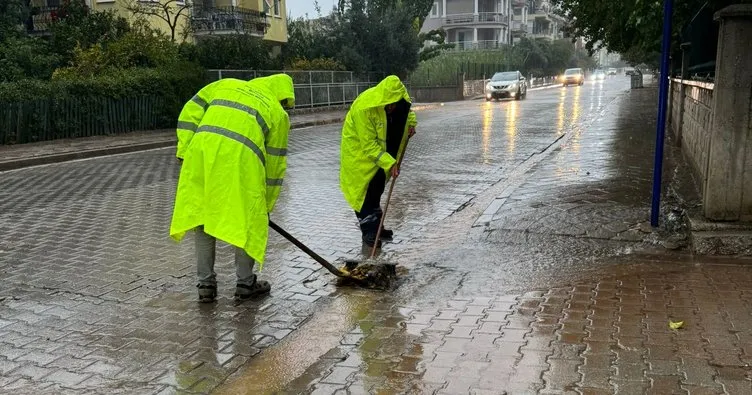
x=508, y=76
x=572, y=72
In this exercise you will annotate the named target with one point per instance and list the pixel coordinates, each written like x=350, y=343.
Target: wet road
x=97, y=298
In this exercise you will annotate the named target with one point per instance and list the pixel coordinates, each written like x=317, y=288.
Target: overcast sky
x=299, y=8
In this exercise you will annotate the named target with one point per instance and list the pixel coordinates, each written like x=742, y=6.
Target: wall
x=435, y=94
x=693, y=126
x=474, y=88
x=460, y=7
x=277, y=31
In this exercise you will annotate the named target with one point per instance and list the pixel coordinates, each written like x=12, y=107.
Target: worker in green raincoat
x=232, y=142
x=376, y=129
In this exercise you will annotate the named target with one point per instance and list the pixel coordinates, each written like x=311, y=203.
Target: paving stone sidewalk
x=608, y=335
x=23, y=155
x=98, y=300
x=564, y=292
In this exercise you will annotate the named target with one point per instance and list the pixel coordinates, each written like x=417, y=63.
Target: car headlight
x=513, y=86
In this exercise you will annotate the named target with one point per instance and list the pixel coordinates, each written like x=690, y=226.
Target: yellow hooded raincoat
x=363, y=149
x=232, y=136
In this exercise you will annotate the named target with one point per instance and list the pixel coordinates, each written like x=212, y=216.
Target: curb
x=16, y=164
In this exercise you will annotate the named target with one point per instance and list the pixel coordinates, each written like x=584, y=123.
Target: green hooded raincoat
x=363, y=147
x=232, y=137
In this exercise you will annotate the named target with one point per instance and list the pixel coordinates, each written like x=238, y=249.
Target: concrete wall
x=474, y=88
x=435, y=94
x=691, y=121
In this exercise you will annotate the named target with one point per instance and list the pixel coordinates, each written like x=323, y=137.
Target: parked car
x=612, y=71
x=573, y=77
x=599, y=75
x=508, y=84
x=630, y=71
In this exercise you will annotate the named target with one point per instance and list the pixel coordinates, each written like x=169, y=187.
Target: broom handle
x=388, y=198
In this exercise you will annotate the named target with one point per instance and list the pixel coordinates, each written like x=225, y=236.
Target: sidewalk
x=98, y=299
x=25, y=155
x=563, y=291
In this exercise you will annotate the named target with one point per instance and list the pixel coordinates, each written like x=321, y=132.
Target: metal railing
x=299, y=76
x=228, y=19
x=40, y=20
x=481, y=17
x=477, y=45
x=313, y=88
x=324, y=95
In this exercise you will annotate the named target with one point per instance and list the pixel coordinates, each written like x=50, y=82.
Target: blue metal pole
x=660, y=128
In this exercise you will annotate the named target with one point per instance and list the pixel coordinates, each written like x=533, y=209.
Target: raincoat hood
x=280, y=85
x=389, y=90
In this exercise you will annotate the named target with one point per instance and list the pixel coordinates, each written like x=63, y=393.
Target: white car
x=509, y=84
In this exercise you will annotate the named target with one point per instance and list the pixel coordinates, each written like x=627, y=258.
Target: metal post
x=660, y=127
x=685, y=47
x=219, y=72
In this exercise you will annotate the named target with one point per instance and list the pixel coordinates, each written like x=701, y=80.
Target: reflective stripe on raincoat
x=363, y=147
x=234, y=162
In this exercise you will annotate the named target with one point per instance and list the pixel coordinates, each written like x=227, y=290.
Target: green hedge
x=115, y=101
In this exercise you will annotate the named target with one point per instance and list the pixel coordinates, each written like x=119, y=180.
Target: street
x=526, y=266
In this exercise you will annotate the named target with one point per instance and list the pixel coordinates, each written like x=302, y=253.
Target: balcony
x=519, y=27
x=477, y=45
x=483, y=18
x=40, y=20
x=228, y=20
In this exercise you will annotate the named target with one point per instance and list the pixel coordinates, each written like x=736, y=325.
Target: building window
x=277, y=7
x=435, y=10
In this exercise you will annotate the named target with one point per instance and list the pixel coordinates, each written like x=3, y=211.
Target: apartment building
x=472, y=24
x=536, y=19
x=266, y=19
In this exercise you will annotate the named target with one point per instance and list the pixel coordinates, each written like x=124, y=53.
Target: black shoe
x=369, y=239
x=387, y=234
x=207, y=293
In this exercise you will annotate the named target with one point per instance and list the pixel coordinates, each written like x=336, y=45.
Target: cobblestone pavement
x=20, y=152
x=97, y=299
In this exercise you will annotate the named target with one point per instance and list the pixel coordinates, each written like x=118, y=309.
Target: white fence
x=313, y=88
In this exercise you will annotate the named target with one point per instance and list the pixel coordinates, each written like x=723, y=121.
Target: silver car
x=509, y=84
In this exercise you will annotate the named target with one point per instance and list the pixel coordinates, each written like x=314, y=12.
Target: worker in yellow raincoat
x=232, y=141
x=376, y=129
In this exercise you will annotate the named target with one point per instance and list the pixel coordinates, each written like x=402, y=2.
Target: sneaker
x=244, y=292
x=207, y=293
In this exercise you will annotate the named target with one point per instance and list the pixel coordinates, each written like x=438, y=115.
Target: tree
x=170, y=12
x=438, y=38
x=76, y=26
x=13, y=13
x=364, y=36
x=236, y=51
x=632, y=28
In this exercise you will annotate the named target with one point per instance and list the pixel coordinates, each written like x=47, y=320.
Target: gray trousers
x=206, y=253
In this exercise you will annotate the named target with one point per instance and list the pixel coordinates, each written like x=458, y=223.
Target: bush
x=113, y=101
x=26, y=57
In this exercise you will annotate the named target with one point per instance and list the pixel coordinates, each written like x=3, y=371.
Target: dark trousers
x=370, y=214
